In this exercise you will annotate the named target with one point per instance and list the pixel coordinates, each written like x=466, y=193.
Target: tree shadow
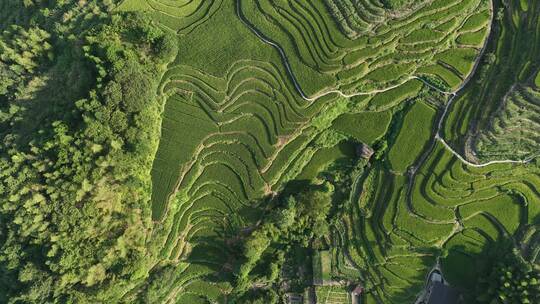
x=294, y=187
x=464, y=268
x=408, y=293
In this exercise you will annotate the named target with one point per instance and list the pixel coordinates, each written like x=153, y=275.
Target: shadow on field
x=464, y=269
x=408, y=292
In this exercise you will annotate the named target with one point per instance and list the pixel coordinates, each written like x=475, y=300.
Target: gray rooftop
x=443, y=294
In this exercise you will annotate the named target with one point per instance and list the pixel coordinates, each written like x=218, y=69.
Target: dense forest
x=79, y=119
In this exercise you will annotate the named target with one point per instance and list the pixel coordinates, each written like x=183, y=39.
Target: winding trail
x=453, y=94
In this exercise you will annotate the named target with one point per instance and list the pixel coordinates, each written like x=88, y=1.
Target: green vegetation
x=321, y=267
x=459, y=60
x=364, y=34
x=209, y=151
x=487, y=116
x=514, y=131
x=79, y=127
x=22, y=53
x=511, y=279
x=332, y=294
x=503, y=273
x=325, y=157
x=394, y=97
x=395, y=4
x=365, y=127
x=301, y=218
x=472, y=38
x=413, y=136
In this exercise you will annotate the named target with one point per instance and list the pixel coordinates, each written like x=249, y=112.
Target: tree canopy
x=74, y=175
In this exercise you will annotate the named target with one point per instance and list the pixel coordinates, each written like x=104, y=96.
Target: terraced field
x=475, y=117
x=179, y=15
x=324, y=59
x=514, y=130
x=271, y=92
x=391, y=230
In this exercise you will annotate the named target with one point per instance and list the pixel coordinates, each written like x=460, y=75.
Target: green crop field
x=413, y=136
x=269, y=151
x=364, y=126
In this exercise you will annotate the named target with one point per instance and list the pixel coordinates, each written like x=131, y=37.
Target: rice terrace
x=270, y=151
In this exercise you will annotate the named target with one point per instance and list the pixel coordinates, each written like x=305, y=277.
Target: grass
x=483, y=97
x=134, y=5
x=332, y=295
x=423, y=35
x=514, y=129
x=412, y=137
x=394, y=97
x=456, y=268
x=484, y=224
x=476, y=21
x=524, y=5
x=178, y=142
x=423, y=202
x=473, y=38
x=460, y=59
x=326, y=266
x=315, y=44
x=227, y=47
x=366, y=127
x=326, y=156
x=443, y=73
x=389, y=72
x=504, y=208
x=178, y=16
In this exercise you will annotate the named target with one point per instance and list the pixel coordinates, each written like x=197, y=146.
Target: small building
x=356, y=294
